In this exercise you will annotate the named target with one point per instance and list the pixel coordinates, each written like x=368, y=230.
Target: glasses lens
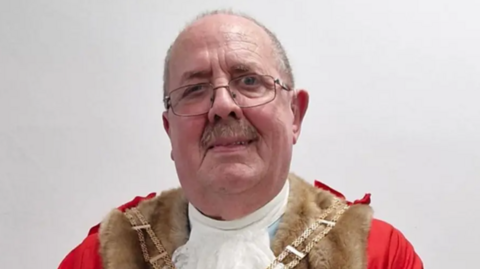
x=253, y=90
x=192, y=99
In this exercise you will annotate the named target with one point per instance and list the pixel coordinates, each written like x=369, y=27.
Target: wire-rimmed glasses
x=246, y=91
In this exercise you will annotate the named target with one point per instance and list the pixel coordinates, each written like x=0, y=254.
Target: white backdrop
x=394, y=111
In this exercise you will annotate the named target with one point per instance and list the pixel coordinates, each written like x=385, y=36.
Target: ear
x=299, y=108
x=166, y=126
x=166, y=123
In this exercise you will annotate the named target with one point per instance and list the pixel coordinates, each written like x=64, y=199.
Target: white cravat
x=238, y=244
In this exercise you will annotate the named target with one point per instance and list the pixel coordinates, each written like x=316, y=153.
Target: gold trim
x=298, y=254
x=162, y=253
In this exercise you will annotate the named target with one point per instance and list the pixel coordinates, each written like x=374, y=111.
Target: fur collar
x=344, y=247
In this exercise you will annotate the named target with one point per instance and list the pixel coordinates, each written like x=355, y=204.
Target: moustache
x=229, y=128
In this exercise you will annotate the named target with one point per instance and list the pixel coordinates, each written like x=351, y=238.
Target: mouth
x=230, y=145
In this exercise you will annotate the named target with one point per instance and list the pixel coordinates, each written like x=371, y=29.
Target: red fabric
x=387, y=247
x=85, y=255
x=365, y=200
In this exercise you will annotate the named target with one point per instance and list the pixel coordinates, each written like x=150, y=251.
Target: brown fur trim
x=119, y=246
x=344, y=247
x=167, y=215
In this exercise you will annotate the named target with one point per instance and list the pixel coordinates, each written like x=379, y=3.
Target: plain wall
x=394, y=112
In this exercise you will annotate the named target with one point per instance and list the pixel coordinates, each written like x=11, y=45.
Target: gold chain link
x=278, y=260
x=306, y=234
x=132, y=220
x=317, y=238
x=162, y=253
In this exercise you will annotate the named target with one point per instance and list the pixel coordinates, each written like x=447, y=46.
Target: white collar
x=261, y=218
x=237, y=244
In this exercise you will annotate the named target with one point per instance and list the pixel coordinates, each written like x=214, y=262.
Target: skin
x=228, y=183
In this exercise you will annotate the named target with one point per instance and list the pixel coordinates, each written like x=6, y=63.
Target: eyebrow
x=234, y=70
x=245, y=68
x=240, y=69
x=190, y=75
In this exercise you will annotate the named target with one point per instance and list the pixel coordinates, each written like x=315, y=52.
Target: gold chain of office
x=338, y=207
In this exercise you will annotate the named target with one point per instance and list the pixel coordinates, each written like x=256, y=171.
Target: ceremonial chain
x=298, y=255
x=162, y=253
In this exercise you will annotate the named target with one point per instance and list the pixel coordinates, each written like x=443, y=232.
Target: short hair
x=283, y=63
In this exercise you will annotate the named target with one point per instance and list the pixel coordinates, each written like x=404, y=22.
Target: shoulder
x=153, y=208
x=166, y=214
x=389, y=248
x=85, y=255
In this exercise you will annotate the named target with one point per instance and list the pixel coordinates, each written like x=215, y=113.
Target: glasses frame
x=167, y=101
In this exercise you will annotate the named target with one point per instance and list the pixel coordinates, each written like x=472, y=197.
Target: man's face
x=230, y=150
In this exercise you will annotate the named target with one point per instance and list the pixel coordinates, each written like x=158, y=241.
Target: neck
x=262, y=217
x=227, y=207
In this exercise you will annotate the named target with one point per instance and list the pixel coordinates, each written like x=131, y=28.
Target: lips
x=230, y=143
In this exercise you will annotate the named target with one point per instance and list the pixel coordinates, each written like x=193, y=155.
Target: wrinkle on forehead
x=241, y=41
x=230, y=36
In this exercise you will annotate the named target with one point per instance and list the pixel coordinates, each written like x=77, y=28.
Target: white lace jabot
x=237, y=244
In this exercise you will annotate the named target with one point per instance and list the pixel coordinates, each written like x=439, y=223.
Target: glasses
x=246, y=91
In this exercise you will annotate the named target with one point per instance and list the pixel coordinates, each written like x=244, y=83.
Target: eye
x=249, y=81
x=193, y=89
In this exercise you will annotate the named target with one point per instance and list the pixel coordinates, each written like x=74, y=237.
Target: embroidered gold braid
x=298, y=255
x=162, y=253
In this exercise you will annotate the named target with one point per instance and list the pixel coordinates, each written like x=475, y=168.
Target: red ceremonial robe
x=387, y=247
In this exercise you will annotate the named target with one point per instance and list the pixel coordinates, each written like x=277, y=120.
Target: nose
x=223, y=105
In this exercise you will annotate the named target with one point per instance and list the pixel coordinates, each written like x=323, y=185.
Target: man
x=233, y=116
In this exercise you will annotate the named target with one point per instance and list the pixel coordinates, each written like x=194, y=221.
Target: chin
x=233, y=178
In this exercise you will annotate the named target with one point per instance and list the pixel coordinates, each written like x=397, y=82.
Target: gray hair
x=282, y=60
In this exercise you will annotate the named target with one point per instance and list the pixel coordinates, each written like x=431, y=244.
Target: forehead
x=220, y=43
